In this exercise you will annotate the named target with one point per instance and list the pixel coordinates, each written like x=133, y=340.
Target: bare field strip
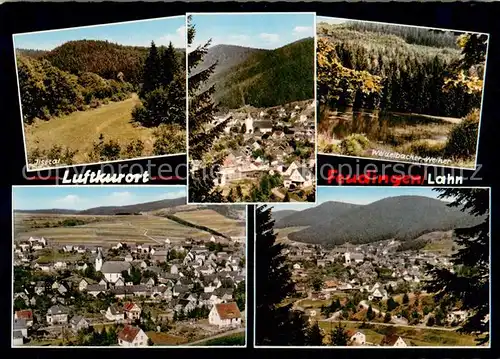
x=213, y=220
x=113, y=229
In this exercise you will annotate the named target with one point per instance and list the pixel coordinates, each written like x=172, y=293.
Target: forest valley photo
x=91, y=101
x=387, y=88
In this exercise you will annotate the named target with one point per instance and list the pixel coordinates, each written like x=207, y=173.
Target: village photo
x=126, y=266
x=251, y=107
x=102, y=93
x=375, y=267
x=398, y=92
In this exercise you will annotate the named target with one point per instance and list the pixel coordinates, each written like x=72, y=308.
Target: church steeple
x=98, y=260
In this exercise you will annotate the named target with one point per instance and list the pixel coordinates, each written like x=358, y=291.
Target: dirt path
x=391, y=325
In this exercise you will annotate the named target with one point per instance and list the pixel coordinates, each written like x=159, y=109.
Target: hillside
x=110, y=210
x=278, y=215
x=100, y=57
x=262, y=78
x=316, y=215
x=161, y=207
x=226, y=56
x=401, y=217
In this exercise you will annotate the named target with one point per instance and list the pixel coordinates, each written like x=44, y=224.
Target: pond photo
x=399, y=92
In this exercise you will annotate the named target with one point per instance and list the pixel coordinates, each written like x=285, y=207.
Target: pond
x=338, y=123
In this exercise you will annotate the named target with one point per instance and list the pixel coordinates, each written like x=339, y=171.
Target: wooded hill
x=402, y=218
x=262, y=78
x=393, y=68
x=103, y=58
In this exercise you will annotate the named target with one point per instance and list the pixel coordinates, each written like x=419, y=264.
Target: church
x=112, y=270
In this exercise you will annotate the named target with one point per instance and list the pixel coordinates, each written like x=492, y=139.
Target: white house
x=393, y=341
x=57, y=314
x=357, y=338
x=132, y=336
x=225, y=315
x=114, y=313
x=132, y=310
x=300, y=177
x=112, y=270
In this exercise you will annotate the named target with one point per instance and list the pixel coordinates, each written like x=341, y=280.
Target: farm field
x=79, y=130
x=214, y=220
x=112, y=229
x=282, y=233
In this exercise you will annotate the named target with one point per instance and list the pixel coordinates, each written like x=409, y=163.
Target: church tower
x=98, y=260
x=249, y=124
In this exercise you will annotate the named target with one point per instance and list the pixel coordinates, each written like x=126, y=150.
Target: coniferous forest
x=422, y=89
x=103, y=101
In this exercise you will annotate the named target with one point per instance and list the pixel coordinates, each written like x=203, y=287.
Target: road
x=234, y=331
x=391, y=325
x=157, y=241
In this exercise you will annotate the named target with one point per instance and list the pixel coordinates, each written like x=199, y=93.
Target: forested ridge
x=402, y=218
x=269, y=78
x=396, y=68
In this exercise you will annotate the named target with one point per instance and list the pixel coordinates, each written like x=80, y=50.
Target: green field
x=79, y=130
x=282, y=233
x=412, y=336
x=113, y=229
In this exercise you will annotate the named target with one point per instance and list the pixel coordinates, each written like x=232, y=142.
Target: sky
x=133, y=33
x=264, y=31
x=331, y=20
x=358, y=195
x=78, y=198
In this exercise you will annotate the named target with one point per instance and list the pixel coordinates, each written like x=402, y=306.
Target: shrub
x=463, y=137
x=354, y=145
x=169, y=139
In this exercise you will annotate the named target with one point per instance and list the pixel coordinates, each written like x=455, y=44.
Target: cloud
x=269, y=37
x=70, y=200
x=239, y=38
x=178, y=39
x=176, y=194
x=302, y=31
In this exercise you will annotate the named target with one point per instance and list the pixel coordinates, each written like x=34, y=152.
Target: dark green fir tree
x=470, y=285
x=201, y=114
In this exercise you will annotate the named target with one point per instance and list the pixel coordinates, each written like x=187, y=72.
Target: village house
x=393, y=341
x=26, y=315
x=132, y=336
x=78, y=323
x=225, y=315
x=57, y=314
x=132, y=311
x=21, y=326
x=356, y=338
x=115, y=313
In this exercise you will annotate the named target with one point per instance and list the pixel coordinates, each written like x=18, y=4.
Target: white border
x=315, y=186
x=28, y=169
x=117, y=346
x=325, y=19
x=372, y=347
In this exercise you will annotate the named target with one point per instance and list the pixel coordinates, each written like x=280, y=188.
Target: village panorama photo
x=126, y=266
x=251, y=107
x=377, y=267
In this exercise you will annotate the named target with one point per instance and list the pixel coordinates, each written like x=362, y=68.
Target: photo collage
x=250, y=244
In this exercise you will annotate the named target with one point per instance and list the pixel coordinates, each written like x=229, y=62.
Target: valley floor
x=79, y=130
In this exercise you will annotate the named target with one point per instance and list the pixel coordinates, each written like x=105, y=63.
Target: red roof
x=25, y=314
x=390, y=340
x=129, y=333
x=228, y=310
x=127, y=307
